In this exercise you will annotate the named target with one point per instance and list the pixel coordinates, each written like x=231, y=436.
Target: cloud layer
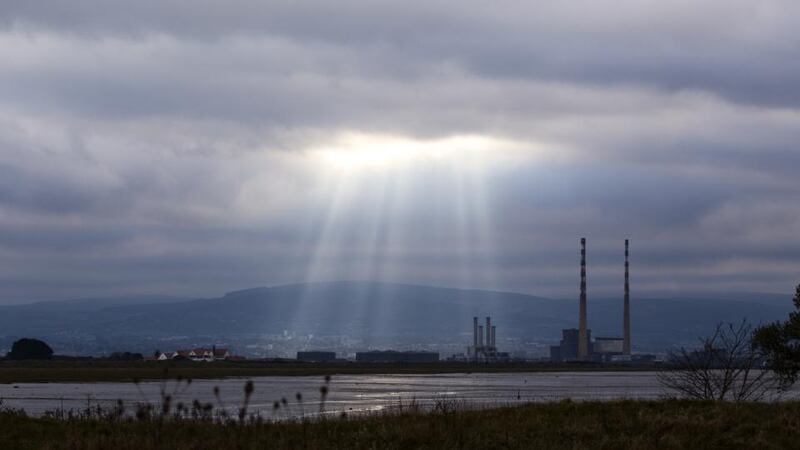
x=177, y=147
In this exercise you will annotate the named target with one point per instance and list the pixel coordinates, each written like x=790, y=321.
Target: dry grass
x=669, y=424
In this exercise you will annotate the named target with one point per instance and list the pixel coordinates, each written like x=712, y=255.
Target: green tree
x=27, y=348
x=779, y=343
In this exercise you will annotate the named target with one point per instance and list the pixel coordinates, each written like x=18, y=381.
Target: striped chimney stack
x=626, y=315
x=583, y=340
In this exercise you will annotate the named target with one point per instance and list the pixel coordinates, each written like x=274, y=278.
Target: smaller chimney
x=488, y=331
x=480, y=336
x=475, y=336
x=494, y=343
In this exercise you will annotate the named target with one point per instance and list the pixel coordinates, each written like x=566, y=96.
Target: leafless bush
x=725, y=367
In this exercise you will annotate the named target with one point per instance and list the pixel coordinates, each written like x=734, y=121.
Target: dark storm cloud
x=174, y=148
x=730, y=48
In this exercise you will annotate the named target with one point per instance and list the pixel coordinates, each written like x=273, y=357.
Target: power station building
x=484, y=343
x=577, y=344
x=608, y=346
x=567, y=349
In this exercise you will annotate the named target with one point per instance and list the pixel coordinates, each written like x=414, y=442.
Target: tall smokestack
x=475, y=336
x=488, y=331
x=626, y=315
x=583, y=341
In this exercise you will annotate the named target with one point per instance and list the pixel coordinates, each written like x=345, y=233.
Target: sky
x=195, y=148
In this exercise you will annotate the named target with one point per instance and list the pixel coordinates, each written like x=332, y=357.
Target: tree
x=726, y=367
x=779, y=344
x=27, y=348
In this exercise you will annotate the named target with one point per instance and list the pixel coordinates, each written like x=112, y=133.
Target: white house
x=197, y=354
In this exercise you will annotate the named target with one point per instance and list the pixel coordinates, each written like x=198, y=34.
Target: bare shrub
x=725, y=367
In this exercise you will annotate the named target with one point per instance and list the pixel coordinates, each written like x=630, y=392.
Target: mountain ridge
x=368, y=314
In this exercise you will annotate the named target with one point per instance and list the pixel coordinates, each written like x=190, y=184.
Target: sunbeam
x=353, y=151
x=391, y=201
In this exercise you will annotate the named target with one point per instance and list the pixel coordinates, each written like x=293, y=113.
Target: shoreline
x=117, y=371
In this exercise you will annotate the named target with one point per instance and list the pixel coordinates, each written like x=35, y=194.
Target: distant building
x=208, y=354
x=391, y=356
x=555, y=353
x=316, y=356
x=176, y=355
x=608, y=349
x=567, y=350
x=198, y=354
x=484, y=343
x=602, y=349
x=608, y=345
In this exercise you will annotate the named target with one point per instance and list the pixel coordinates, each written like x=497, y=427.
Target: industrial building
x=316, y=356
x=391, y=356
x=567, y=350
x=484, y=343
x=577, y=345
x=608, y=346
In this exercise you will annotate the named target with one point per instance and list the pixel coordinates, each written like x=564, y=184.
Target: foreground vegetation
x=567, y=425
x=104, y=370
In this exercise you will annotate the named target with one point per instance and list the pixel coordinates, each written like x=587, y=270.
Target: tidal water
x=352, y=394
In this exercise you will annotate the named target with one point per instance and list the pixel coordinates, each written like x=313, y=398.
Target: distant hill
x=380, y=311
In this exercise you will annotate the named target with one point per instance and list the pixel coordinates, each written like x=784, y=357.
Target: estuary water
x=352, y=394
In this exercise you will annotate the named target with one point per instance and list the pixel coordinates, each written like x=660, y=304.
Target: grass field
x=103, y=370
x=669, y=424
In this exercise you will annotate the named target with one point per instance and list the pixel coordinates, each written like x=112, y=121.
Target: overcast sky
x=194, y=148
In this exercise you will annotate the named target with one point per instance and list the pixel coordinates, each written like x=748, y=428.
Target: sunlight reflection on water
x=348, y=393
